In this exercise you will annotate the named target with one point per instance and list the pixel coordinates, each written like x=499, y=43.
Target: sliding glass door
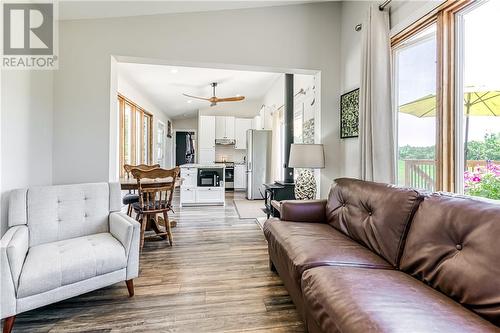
x=478, y=99
x=415, y=96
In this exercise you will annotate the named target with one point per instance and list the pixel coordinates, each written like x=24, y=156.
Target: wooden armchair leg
x=130, y=287
x=168, y=228
x=8, y=323
x=144, y=222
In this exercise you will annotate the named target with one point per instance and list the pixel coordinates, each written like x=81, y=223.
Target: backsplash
x=229, y=154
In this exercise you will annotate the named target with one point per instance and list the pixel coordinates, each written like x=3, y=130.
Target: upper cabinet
x=224, y=128
x=241, y=125
x=206, y=129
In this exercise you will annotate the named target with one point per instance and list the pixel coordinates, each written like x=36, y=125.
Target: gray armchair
x=64, y=241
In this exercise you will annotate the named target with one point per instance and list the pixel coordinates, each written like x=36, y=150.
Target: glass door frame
x=446, y=92
x=395, y=49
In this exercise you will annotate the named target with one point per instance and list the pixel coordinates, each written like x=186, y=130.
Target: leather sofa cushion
x=299, y=246
x=52, y=265
x=453, y=245
x=373, y=214
x=351, y=299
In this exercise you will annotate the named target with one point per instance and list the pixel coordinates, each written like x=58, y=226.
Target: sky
x=417, y=73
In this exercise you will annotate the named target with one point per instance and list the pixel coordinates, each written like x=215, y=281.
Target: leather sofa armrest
x=13, y=249
x=303, y=210
x=127, y=231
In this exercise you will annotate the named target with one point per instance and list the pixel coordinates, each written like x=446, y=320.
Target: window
x=415, y=96
x=136, y=139
x=446, y=77
x=478, y=100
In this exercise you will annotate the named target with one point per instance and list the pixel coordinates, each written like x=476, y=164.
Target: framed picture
x=349, y=114
x=169, y=129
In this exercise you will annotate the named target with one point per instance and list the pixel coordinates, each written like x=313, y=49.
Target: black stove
x=229, y=175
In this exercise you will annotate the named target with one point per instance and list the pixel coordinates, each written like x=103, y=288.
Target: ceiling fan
x=214, y=99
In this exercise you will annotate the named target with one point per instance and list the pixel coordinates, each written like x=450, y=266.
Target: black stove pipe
x=288, y=126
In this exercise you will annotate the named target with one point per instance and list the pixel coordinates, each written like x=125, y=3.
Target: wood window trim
x=444, y=17
x=135, y=110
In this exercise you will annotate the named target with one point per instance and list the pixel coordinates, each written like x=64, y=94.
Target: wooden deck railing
x=421, y=173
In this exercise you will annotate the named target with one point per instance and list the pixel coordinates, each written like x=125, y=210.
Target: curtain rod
x=380, y=7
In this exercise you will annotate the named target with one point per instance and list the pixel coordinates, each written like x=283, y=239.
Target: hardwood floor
x=214, y=279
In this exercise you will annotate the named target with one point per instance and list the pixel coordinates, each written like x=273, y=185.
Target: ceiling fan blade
x=191, y=96
x=231, y=99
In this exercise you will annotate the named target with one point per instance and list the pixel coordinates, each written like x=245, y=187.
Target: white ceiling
x=73, y=10
x=164, y=86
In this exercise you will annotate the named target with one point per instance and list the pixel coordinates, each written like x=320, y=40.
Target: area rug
x=249, y=209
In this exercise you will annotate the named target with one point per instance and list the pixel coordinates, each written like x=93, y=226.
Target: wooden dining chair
x=130, y=198
x=154, y=199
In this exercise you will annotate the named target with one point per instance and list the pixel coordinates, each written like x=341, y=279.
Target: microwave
x=209, y=177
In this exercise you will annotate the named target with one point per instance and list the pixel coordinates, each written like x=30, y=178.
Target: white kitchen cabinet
x=240, y=180
x=188, y=195
x=224, y=128
x=206, y=155
x=189, y=176
x=206, y=132
x=205, y=195
x=241, y=125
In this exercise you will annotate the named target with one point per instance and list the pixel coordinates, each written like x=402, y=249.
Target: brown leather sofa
x=380, y=258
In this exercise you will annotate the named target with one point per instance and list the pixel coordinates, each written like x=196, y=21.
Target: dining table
x=130, y=184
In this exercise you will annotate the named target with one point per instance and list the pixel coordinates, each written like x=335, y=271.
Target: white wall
x=127, y=88
x=26, y=132
x=245, y=109
x=403, y=13
x=296, y=37
x=186, y=123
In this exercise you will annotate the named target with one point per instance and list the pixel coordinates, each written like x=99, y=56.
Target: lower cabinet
x=188, y=195
x=209, y=195
x=193, y=196
x=240, y=180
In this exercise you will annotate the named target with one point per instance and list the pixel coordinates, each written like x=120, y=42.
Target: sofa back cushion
x=453, y=245
x=55, y=213
x=374, y=214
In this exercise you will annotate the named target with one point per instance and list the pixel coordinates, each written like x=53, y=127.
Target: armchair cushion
x=127, y=231
x=52, y=265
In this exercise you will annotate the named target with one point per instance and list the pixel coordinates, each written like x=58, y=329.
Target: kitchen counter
x=195, y=165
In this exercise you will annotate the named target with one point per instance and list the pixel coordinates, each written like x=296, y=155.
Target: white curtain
x=375, y=104
x=277, y=144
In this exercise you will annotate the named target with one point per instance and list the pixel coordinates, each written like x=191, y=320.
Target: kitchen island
x=203, y=184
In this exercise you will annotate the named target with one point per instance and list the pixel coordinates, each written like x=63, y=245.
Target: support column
x=288, y=127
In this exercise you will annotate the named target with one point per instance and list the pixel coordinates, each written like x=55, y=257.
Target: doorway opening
x=185, y=147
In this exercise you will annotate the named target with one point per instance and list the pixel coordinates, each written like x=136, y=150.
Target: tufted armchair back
x=453, y=246
x=374, y=214
x=54, y=213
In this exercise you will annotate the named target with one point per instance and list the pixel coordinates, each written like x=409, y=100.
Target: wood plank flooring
x=214, y=279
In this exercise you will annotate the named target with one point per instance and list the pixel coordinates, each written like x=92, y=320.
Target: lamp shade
x=307, y=156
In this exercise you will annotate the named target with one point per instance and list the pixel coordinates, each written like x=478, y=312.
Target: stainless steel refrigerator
x=258, y=162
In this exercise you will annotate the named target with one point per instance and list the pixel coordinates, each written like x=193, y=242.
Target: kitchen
x=225, y=160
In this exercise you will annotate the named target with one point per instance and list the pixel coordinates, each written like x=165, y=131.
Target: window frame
x=136, y=110
x=446, y=126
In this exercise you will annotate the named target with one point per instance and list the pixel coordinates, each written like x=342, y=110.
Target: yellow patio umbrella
x=476, y=103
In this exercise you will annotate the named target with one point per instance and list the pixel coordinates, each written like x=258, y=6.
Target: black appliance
x=209, y=177
x=229, y=176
